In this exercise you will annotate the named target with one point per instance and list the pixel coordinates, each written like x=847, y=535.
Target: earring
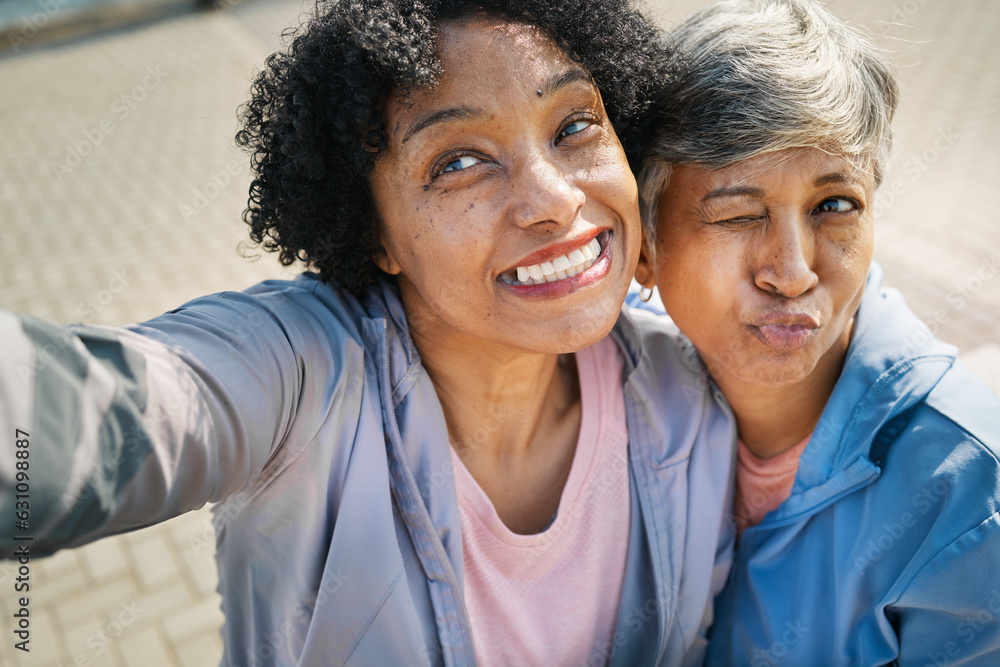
x=646, y=293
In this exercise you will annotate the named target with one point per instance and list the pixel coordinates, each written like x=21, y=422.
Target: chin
x=776, y=374
x=580, y=332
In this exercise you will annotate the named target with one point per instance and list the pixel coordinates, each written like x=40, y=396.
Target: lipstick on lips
x=785, y=330
x=562, y=262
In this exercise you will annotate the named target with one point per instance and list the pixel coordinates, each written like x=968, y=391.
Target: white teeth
x=564, y=266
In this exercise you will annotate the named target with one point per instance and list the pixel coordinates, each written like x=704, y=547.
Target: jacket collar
x=382, y=302
x=892, y=363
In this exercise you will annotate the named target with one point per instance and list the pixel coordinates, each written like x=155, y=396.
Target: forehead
x=496, y=37
x=482, y=57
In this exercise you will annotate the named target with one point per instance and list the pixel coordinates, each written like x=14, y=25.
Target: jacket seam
x=371, y=618
x=971, y=436
x=940, y=551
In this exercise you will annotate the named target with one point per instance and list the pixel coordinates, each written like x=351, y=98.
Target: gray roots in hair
x=755, y=76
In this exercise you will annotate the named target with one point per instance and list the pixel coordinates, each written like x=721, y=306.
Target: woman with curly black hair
x=430, y=451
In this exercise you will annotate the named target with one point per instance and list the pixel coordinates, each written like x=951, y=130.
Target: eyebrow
x=440, y=116
x=567, y=77
x=735, y=191
x=750, y=191
x=550, y=86
x=837, y=177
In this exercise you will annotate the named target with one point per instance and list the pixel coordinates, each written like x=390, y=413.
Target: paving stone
x=46, y=590
x=145, y=648
x=8, y=573
x=44, y=643
x=88, y=646
x=60, y=563
x=103, y=558
x=168, y=598
x=154, y=561
x=96, y=601
x=205, y=649
x=195, y=620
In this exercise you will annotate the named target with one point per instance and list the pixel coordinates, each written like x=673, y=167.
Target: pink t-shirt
x=552, y=598
x=763, y=484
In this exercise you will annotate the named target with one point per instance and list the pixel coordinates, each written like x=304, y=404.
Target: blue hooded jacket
x=888, y=549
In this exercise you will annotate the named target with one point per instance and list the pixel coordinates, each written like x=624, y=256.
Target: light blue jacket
x=308, y=414
x=888, y=549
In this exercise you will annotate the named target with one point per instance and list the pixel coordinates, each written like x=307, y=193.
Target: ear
x=384, y=258
x=644, y=270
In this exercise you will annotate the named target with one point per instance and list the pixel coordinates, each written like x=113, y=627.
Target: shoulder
x=954, y=436
x=653, y=339
x=965, y=404
x=297, y=316
x=666, y=361
x=946, y=463
x=674, y=400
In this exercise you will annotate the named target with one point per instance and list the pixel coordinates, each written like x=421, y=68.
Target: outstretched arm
x=106, y=430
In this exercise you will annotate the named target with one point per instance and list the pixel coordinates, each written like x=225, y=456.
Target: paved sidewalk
x=121, y=195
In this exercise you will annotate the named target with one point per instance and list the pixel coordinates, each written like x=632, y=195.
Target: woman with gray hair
x=868, y=479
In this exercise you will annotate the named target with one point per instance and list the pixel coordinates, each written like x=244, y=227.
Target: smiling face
x=763, y=264
x=507, y=208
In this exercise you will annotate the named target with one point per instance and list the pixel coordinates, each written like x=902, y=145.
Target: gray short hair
x=754, y=76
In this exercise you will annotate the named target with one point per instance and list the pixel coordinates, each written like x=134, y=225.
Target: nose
x=544, y=192
x=787, y=256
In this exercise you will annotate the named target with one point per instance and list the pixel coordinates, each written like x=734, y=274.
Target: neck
x=496, y=401
x=513, y=417
x=499, y=401
x=772, y=420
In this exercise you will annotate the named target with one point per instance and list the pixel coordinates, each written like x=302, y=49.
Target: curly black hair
x=314, y=124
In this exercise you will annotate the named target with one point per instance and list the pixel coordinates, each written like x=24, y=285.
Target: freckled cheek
x=686, y=281
x=715, y=270
x=848, y=259
x=609, y=173
x=453, y=250
x=857, y=242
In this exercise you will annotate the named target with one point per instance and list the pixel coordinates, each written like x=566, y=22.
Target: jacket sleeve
x=950, y=612
x=104, y=430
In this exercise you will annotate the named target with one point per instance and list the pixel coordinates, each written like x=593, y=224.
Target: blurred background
x=121, y=192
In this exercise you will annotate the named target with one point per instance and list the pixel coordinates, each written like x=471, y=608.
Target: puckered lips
x=561, y=267
x=785, y=330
